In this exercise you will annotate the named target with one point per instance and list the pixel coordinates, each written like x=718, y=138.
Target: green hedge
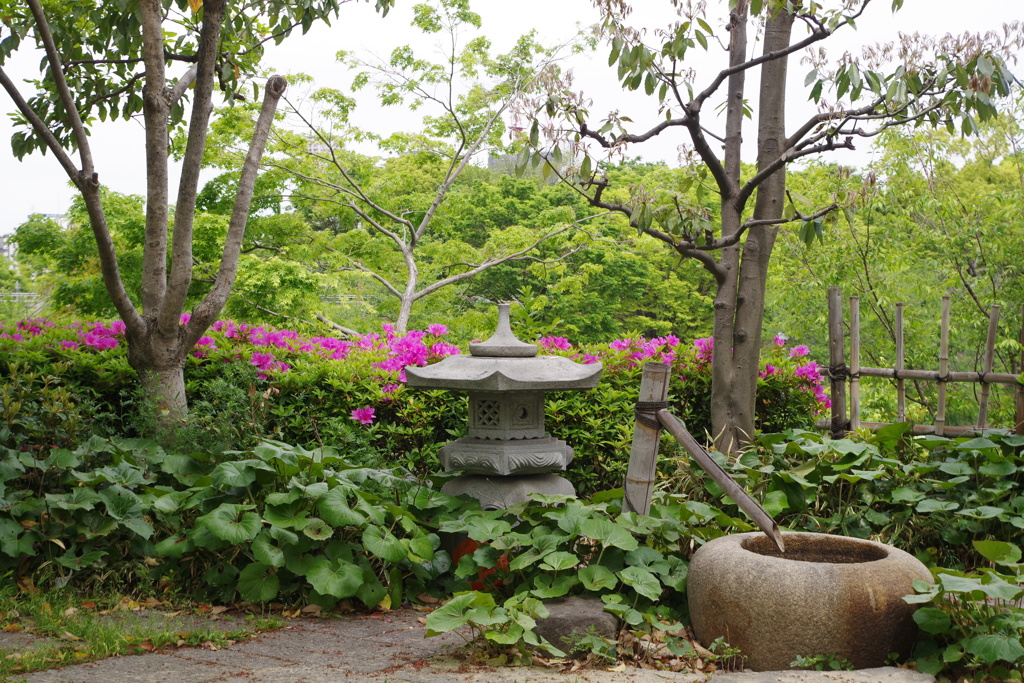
x=62, y=384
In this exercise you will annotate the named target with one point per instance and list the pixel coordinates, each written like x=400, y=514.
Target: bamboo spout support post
x=643, y=455
x=750, y=506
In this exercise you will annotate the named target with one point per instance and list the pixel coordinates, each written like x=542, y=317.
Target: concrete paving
x=385, y=648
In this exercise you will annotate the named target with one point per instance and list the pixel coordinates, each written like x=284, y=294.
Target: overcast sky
x=38, y=184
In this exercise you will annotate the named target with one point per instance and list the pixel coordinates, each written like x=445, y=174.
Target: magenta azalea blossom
x=437, y=330
x=560, y=343
x=798, y=351
x=705, y=348
x=185, y=317
x=363, y=415
x=781, y=339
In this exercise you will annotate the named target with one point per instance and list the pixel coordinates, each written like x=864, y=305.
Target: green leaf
x=462, y=609
x=232, y=473
x=258, y=583
x=935, y=505
x=232, y=523
x=383, y=544
x=334, y=509
x=335, y=577
x=175, y=546
x=559, y=560
x=992, y=648
x=597, y=577
x=607, y=533
x=372, y=591
x=317, y=529
x=266, y=552
x=999, y=552
x=292, y=515
x=120, y=502
x=547, y=586
x=932, y=620
x=644, y=582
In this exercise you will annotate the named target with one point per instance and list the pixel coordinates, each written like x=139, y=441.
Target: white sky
x=38, y=184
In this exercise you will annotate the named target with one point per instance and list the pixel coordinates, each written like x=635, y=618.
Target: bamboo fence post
x=643, y=455
x=836, y=362
x=1018, y=418
x=990, y=350
x=940, y=414
x=854, y=362
x=901, y=385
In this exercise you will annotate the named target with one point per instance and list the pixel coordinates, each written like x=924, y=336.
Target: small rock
x=571, y=619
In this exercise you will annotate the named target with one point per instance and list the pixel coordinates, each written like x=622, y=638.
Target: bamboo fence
x=841, y=374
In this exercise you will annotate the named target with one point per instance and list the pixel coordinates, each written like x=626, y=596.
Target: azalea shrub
x=247, y=383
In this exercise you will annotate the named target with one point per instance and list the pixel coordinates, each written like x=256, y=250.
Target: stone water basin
x=826, y=595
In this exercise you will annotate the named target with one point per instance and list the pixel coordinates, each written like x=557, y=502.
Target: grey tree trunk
x=739, y=302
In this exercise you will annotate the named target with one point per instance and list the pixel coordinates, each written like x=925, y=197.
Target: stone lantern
x=507, y=454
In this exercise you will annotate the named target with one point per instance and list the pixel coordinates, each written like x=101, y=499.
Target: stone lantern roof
x=503, y=363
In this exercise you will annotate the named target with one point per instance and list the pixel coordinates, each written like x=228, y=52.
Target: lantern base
x=498, y=493
x=505, y=457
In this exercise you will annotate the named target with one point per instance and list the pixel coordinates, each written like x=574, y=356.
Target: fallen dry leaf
x=312, y=610
x=219, y=609
x=618, y=668
x=68, y=635
x=70, y=611
x=12, y=628
x=427, y=599
x=209, y=645
x=88, y=604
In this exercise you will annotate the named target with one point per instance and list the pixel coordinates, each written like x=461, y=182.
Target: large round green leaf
x=608, y=533
x=597, y=577
x=232, y=473
x=372, y=591
x=384, y=544
x=258, y=583
x=559, y=560
x=121, y=502
x=232, y=523
x=338, y=578
x=264, y=550
x=642, y=581
x=932, y=620
x=317, y=529
x=334, y=509
x=175, y=546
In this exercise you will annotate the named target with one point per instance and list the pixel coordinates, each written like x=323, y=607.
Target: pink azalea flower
x=769, y=369
x=780, y=339
x=389, y=388
x=705, y=348
x=363, y=415
x=185, y=317
x=118, y=327
x=798, y=351
x=588, y=359
x=69, y=345
x=560, y=343
x=437, y=330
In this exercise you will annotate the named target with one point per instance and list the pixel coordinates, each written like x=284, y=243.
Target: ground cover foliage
x=233, y=512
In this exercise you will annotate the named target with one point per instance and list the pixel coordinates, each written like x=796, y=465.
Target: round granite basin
x=826, y=595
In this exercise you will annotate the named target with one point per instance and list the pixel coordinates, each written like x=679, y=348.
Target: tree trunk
x=724, y=417
x=740, y=301
x=159, y=362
